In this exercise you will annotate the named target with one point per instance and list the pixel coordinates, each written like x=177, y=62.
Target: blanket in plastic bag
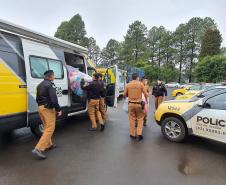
x=125, y=105
x=75, y=77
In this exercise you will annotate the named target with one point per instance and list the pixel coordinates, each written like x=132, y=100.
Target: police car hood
x=182, y=101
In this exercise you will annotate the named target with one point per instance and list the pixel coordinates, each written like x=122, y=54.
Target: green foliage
x=110, y=54
x=73, y=31
x=180, y=45
x=93, y=50
x=211, y=43
x=171, y=56
x=211, y=69
x=135, y=44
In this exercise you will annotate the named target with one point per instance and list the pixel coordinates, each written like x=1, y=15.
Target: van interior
x=77, y=103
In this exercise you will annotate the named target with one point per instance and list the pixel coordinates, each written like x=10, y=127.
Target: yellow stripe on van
x=13, y=99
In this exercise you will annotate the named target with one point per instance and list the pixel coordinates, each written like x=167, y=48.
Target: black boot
x=140, y=137
x=38, y=154
x=53, y=146
x=102, y=127
x=92, y=129
x=132, y=137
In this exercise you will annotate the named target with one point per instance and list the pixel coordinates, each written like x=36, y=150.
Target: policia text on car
x=134, y=92
x=48, y=108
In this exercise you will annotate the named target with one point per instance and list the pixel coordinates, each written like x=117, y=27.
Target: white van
x=24, y=56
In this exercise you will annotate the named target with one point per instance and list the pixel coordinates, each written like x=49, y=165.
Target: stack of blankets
x=75, y=77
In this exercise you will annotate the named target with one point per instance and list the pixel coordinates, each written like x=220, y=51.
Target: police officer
x=147, y=88
x=102, y=97
x=48, y=108
x=159, y=92
x=134, y=92
x=94, y=90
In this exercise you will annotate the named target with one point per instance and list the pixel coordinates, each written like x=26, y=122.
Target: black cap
x=100, y=75
x=48, y=72
x=96, y=76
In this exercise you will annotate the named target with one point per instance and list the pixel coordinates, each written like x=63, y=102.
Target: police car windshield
x=208, y=92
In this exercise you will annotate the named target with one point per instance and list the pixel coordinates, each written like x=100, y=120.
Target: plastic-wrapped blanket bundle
x=75, y=77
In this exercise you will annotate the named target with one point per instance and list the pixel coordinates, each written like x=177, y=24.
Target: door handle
x=65, y=92
x=22, y=86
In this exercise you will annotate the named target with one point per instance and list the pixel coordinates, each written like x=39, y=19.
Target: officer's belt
x=134, y=102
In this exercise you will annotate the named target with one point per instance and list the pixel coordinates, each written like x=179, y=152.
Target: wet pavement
x=110, y=157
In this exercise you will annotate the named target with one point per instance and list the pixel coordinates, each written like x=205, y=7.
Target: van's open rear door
x=112, y=87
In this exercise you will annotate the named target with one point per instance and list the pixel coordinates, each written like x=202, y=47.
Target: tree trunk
x=192, y=57
x=180, y=67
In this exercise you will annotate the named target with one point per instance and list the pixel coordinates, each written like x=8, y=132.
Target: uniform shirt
x=134, y=91
x=147, y=88
x=159, y=90
x=93, y=89
x=46, y=95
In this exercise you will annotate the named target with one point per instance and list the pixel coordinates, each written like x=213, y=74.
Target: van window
x=40, y=65
x=57, y=67
x=75, y=61
x=9, y=56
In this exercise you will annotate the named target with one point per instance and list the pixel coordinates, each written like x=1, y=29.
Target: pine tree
x=211, y=43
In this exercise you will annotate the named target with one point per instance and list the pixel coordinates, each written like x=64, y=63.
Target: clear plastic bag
x=125, y=105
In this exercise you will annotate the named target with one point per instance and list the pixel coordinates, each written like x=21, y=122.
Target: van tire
x=173, y=129
x=37, y=129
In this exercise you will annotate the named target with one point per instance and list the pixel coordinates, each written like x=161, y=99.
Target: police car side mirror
x=200, y=103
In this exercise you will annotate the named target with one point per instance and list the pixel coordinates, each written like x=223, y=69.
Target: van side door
x=112, y=88
x=38, y=59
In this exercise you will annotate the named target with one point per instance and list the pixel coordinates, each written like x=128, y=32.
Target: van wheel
x=179, y=94
x=37, y=130
x=173, y=129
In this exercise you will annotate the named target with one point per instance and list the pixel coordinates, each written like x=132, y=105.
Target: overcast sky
x=105, y=19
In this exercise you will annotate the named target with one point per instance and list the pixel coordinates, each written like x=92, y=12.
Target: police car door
x=210, y=122
x=39, y=58
x=112, y=87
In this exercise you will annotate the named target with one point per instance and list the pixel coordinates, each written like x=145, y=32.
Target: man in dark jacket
x=102, y=98
x=48, y=107
x=94, y=90
x=159, y=92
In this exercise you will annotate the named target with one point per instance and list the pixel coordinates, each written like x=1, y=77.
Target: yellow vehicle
x=187, y=95
x=114, y=75
x=203, y=115
x=182, y=91
x=195, y=90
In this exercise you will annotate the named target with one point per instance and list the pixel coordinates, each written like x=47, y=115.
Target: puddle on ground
x=189, y=168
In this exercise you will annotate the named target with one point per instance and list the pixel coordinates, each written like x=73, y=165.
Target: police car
x=203, y=115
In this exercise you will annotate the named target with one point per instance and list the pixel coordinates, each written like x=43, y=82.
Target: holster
x=142, y=104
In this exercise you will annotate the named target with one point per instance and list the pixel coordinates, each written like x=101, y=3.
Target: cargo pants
x=48, y=117
x=158, y=101
x=94, y=112
x=102, y=109
x=136, y=114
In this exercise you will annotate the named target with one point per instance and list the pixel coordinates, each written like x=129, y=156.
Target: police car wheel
x=173, y=129
x=37, y=130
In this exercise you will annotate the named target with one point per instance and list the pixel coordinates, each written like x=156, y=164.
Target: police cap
x=95, y=75
x=100, y=75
